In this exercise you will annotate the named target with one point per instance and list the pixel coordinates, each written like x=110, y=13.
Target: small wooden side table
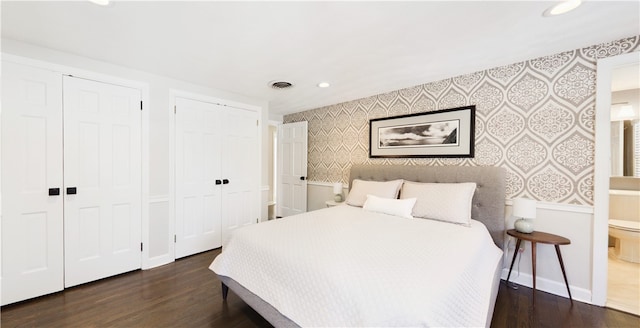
x=543, y=238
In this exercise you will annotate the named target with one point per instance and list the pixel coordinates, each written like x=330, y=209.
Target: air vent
x=280, y=84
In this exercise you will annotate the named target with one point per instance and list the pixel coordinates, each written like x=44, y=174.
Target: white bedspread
x=342, y=266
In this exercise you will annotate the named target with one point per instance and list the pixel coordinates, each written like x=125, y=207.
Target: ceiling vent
x=280, y=85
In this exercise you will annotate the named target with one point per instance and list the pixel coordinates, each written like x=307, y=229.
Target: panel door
x=198, y=176
x=32, y=244
x=292, y=168
x=102, y=161
x=240, y=167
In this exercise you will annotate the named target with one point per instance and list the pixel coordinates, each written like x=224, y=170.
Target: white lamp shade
x=626, y=112
x=623, y=111
x=524, y=208
x=337, y=188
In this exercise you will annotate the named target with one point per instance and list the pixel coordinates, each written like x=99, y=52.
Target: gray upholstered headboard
x=488, y=200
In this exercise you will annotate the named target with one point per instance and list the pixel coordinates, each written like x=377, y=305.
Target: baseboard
x=547, y=285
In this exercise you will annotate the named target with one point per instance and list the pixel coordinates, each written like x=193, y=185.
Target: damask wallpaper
x=535, y=118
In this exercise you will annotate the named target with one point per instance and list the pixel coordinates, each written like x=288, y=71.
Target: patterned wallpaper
x=535, y=118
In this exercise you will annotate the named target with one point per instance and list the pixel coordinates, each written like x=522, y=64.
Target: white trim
x=213, y=100
x=326, y=184
x=146, y=109
x=172, y=171
x=265, y=188
x=158, y=199
x=1, y=58
x=586, y=209
x=619, y=192
x=547, y=285
x=559, y=207
x=77, y=72
x=605, y=69
x=566, y=207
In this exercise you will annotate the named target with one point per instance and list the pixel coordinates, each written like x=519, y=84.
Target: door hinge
x=174, y=109
x=140, y=104
x=257, y=122
x=141, y=247
x=257, y=220
x=175, y=238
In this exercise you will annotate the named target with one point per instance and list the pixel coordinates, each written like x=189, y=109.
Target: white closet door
x=240, y=166
x=32, y=244
x=292, y=168
x=198, y=139
x=102, y=160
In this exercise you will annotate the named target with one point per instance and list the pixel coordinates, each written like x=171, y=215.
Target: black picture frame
x=443, y=133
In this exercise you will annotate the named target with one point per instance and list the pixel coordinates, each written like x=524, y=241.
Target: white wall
x=159, y=245
x=574, y=222
x=320, y=192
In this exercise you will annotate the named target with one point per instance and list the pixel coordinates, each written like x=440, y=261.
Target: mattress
x=343, y=266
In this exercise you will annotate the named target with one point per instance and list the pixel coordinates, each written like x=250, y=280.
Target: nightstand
x=332, y=203
x=542, y=238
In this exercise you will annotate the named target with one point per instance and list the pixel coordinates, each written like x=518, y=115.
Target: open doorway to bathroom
x=623, y=265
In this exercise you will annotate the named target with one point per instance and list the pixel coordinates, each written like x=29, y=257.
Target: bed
x=372, y=265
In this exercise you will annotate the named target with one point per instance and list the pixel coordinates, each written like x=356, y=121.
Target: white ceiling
x=361, y=48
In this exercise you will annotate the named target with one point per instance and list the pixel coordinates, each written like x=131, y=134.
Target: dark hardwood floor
x=514, y=309
x=184, y=293
x=187, y=294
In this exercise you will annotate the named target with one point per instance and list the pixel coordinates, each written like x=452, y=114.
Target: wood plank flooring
x=187, y=294
x=514, y=309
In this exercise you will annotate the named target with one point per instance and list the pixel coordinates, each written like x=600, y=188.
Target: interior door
x=102, y=177
x=241, y=164
x=32, y=244
x=198, y=176
x=292, y=168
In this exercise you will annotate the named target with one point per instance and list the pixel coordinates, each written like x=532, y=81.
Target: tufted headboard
x=488, y=200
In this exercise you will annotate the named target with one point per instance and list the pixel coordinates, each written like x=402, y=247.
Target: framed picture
x=442, y=133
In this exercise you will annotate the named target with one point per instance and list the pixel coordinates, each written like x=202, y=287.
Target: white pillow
x=361, y=188
x=450, y=202
x=397, y=207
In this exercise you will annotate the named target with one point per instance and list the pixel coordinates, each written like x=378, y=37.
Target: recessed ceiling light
x=562, y=8
x=323, y=84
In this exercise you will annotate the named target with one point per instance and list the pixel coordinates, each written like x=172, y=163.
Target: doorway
x=603, y=167
x=623, y=282
x=292, y=169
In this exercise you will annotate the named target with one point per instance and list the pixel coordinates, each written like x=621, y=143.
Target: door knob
x=218, y=182
x=72, y=190
x=225, y=181
x=302, y=178
x=54, y=191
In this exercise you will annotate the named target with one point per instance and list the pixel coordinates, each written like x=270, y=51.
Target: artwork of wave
x=422, y=135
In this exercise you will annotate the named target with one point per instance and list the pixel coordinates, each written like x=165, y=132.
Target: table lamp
x=525, y=209
x=337, y=191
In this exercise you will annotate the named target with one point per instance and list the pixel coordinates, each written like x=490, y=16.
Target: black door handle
x=218, y=182
x=72, y=191
x=54, y=191
x=225, y=181
x=302, y=178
